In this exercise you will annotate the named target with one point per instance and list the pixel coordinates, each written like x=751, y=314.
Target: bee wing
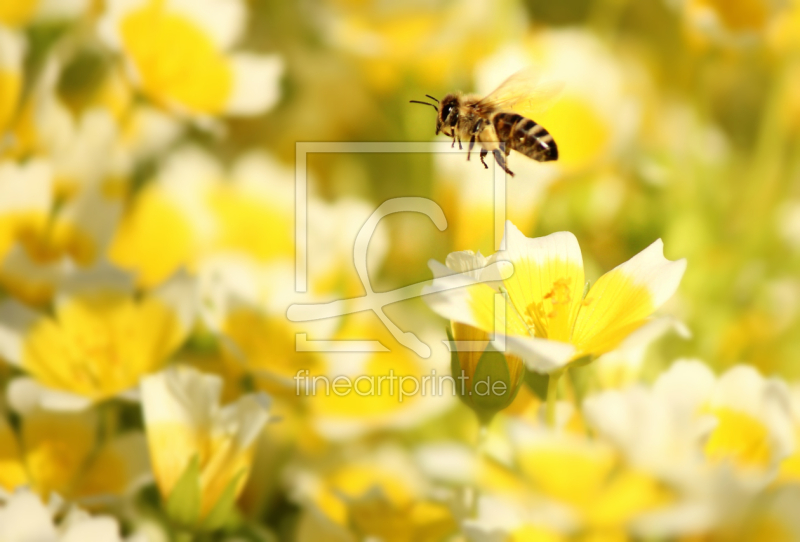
x=523, y=90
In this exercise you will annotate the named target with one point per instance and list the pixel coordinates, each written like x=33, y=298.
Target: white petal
x=222, y=20
x=539, y=250
x=651, y=269
x=56, y=10
x=25, y=518
x=687, y=384
x=256, y=83
x=16, y=321
x=12, y=49
x=181, y=395
x=26, y=394
x=25, y=187
x=100, y=529
x=541, y=355
x=179, y=293
x=447, y=295
x=247, y=417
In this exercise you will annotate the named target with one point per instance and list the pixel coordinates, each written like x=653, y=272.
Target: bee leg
x=459, y=143
x=453, y=144
x=471, y=145
x=498, y=156
x=484, y=152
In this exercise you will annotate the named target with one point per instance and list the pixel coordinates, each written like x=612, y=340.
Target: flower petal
x=622, y=299
x=16, y=320
x=541, y=355
x=459, y=298
x=26, y=394
x=256, y=81
x=547, y=285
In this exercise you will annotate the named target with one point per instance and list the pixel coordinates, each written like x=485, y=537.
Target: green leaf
x=183, y=504
x=537, y=382
x=221, y=512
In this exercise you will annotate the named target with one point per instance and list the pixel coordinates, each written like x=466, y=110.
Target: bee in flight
x=491, y=123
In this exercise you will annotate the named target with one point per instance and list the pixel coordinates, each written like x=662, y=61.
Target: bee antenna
x=432, y=98
x=423, y=103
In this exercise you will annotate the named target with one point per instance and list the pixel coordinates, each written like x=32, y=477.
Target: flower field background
x=153, y=387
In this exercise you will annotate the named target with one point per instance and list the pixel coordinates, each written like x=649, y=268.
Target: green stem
x=552, y=395
x=474, y=493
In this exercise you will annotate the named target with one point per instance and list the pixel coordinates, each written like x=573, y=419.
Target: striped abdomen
x=525, y=136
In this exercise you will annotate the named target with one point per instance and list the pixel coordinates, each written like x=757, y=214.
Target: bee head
x=448, y=113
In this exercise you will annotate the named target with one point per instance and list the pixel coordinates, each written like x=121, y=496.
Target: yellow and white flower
x=198, y=216
x=659, y=430
x=753, y=431
x=201, y=452
x=718, y=442
x=585, y=482
x=100, y=340
x=380, y=495
x=62, y=452
x=43, y=239
x=736, y=23
x=23, y=516
x=548, y=322
x=180, y=55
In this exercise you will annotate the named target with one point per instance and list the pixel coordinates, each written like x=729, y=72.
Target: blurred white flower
x=25, y=518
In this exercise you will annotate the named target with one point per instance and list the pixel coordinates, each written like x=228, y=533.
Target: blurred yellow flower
x=587, y=477
x=548, y=322
x=195, y=211
x=378, y=391
x=41, y=237
x=178, y=53
x=729, y=22
x=12, y=50
x=201, y=452
x=753, y=430
x=381, y=496
x=436, y=41
x=61, y=452
x=101, y=339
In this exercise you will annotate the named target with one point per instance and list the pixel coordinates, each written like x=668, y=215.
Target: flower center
x=550, y=317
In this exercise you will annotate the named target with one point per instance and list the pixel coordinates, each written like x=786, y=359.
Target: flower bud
x=486, y=380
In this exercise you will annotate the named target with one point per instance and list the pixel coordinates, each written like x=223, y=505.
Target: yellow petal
x=12, y=469
x=177, y=61
x=57, y=448
x=622, y=299
x=101, y=342
x=547, y=284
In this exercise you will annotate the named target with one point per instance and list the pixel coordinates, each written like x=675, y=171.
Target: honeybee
x=490, y=123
